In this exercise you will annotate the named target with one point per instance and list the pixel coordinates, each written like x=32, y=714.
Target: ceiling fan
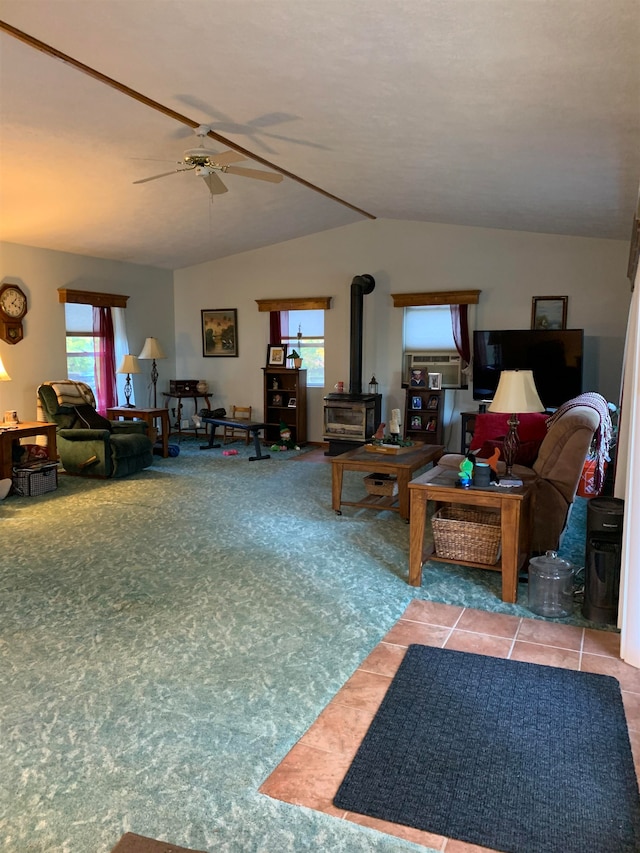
x=207, y=163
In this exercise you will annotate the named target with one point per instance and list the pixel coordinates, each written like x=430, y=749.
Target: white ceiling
x=516, y=114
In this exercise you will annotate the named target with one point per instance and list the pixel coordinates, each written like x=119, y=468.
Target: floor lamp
x=128, y=365
x=516, y=393
x=152, y=350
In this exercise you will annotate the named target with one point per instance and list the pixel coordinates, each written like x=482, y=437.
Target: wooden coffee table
x=514, y=504
x=402, y=465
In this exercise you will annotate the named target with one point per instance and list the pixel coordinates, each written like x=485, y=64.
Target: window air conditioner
x=447, y=364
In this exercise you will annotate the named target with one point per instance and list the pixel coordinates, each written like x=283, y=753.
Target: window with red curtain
x=105, y=360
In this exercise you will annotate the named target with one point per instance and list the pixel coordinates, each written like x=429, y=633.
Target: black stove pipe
x=361, y=285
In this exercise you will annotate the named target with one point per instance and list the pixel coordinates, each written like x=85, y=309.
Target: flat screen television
x=554, y=356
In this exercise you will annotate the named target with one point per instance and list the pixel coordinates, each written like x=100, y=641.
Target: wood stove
x=351, y=418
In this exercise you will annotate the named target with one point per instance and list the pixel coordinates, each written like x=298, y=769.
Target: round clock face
x=13, y=302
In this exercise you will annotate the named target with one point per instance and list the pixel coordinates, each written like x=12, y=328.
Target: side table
x=514, y=504
x=149, y=416
x=177, y=426
x=28, y=428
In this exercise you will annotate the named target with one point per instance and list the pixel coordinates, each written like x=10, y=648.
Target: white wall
x=40, y=356
x=508, y=267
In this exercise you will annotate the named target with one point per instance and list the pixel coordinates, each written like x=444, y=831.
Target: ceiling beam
x=155, y=105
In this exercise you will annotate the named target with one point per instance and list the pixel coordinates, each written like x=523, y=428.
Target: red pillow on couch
x=491, y=428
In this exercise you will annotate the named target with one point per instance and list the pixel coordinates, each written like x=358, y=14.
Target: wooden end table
x=149, y=416
x=514, y=504
x=402, y=465
x=9, y=434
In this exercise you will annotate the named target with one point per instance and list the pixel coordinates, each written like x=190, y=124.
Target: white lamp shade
x=516, y=392
x=4, y=376
x=151, y=349
x=129, y=364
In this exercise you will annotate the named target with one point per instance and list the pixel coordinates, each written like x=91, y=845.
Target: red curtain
x=105, y=359
x=278, y=326
x=460, y=327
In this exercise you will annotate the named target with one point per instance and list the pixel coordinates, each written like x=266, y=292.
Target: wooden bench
x=252, y=427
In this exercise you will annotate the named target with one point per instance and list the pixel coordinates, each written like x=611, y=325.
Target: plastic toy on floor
x=286, y=442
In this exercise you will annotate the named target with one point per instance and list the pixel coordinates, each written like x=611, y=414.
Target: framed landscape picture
x=219, y=332
x=549, y=312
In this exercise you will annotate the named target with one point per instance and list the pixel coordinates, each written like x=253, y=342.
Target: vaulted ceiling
x=516, y=114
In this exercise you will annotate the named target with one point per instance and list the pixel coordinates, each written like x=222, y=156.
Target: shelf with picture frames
x=423, y=414
x=285, y=402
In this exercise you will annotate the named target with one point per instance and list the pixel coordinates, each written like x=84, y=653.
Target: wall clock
x=13, y=307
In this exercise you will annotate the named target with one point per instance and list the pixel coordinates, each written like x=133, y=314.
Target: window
x=310, y=326
x=80, y=344
x=428, y=327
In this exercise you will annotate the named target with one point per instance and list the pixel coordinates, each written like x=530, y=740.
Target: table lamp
x=128, y=365
x=4, y=376
x=151, y=351
x=516, y=393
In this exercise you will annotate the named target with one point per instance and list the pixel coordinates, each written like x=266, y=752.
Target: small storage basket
x=381, y=484
x=467, y=533
x=35, y=479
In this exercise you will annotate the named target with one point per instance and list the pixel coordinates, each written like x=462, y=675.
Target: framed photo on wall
x=219, y=332
x=549, y=312
x=276, y=355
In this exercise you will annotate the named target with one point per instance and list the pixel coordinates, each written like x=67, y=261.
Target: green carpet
x=166, y=638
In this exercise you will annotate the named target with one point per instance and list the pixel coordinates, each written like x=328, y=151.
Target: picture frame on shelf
x=418, y=378
x=416, y=402
x=276, y=400
x=276, y=355
x=435, y=381
x=432, y=424
x=416, y=422
x=292, y=403
x=432, y=403
x=219, y=332
x=549, y=312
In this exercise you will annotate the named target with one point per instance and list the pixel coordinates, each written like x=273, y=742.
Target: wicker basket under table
x=467, y=533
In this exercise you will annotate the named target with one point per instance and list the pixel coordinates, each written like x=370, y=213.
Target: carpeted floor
x=166, y=638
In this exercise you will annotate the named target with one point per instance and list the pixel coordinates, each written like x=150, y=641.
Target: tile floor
x=311, y=772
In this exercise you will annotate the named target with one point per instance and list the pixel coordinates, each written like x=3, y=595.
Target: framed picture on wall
x=219, y=332
x=549, y=312
x=276, y=355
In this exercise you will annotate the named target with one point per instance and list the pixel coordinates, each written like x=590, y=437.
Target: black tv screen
x=554, y=356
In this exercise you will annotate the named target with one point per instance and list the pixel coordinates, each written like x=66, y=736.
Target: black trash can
x=603, y=560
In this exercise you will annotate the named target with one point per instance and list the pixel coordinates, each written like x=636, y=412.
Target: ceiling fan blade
x=273, y=177
x=163, y=175
x=215, y=184
x=226, y=157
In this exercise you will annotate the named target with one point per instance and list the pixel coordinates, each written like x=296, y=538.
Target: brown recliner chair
x=555, y=474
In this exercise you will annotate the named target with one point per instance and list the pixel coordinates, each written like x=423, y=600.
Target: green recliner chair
x=88, y=444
